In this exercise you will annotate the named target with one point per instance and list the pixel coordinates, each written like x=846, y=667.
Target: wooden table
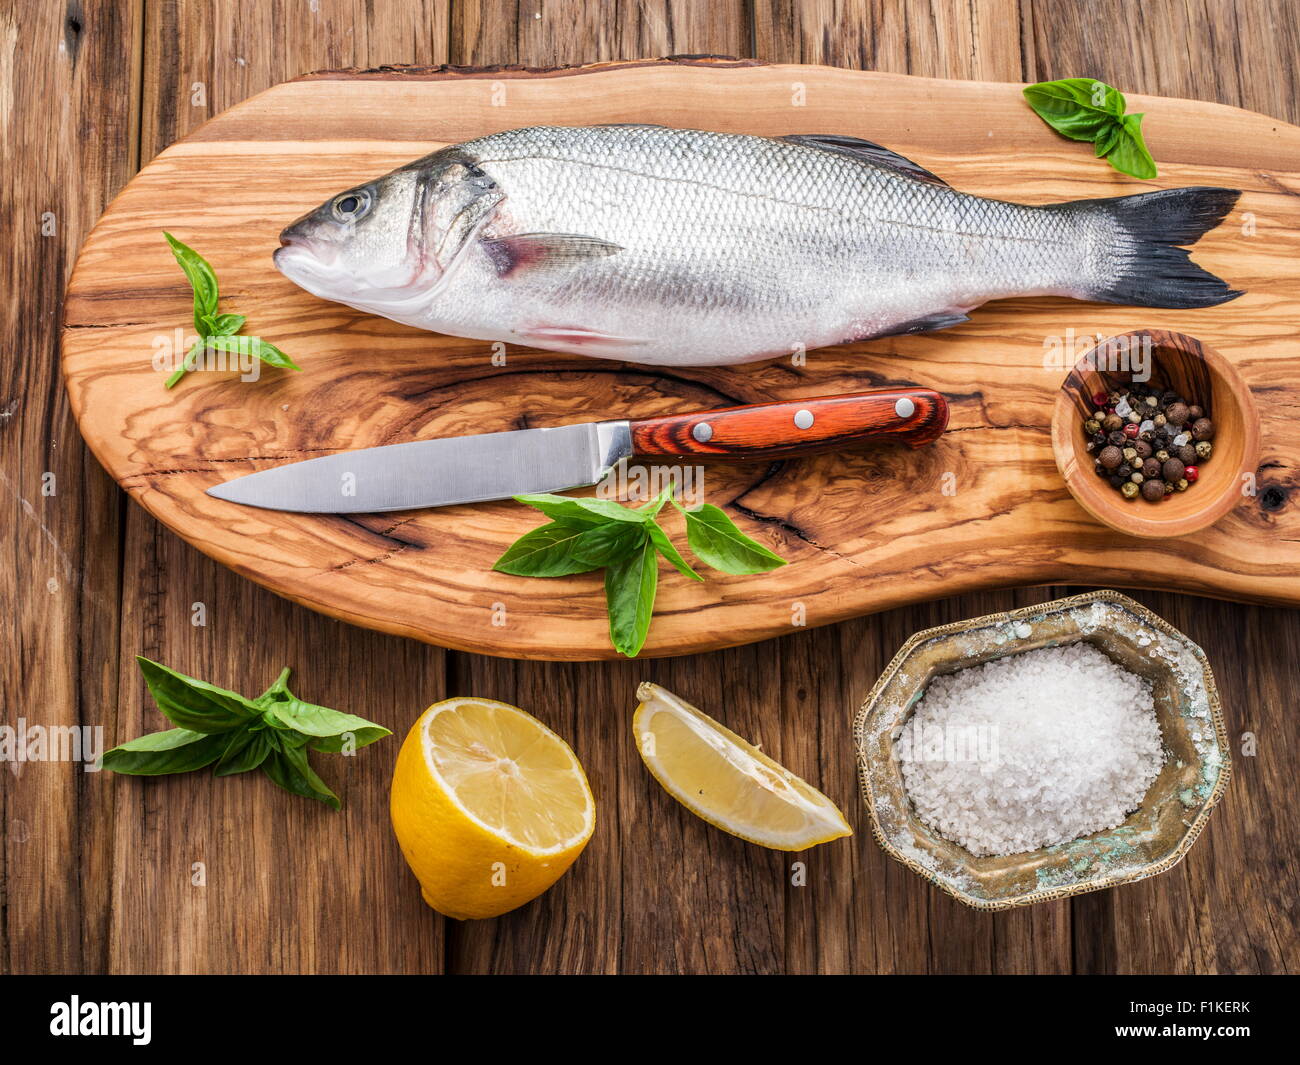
x=192, y=874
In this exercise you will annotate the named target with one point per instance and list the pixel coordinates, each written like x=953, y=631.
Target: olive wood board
x=983, y=507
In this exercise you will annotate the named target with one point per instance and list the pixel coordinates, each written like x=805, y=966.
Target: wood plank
x=1226, y=908
x=288, y=884
x=657, y=890
x=59, y=579
x=1011, y=521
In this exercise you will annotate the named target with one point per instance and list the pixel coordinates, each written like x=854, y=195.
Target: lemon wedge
x=731, y=784
x=490, y=806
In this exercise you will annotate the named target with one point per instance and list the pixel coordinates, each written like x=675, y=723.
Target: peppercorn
x=1203, y=449
x=1143, y=449
x=1124, y=470
x=1151, y=401
x=1131, y=430
x=1151, y=468
x=1099, y=399
x=1160, y=421
x=1182, y=484
x=1176, y=413
x=1194, y=412
x=1191, y=473
x=1130, y=453
x=1134, y=418
x=1092, y=427
x=1172, y=470
x=1112, y=422
x=1117, y=438
x=1186, y=454
x=1116, y=481
x=1110, y=457
x=1202, y=429
x=1136, y=477
x=1129, y=490
x=1153, y=491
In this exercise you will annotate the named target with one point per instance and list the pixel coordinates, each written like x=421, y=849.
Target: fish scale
x=688, y=247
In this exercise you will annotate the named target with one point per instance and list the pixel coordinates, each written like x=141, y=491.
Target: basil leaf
x=630, y=595
x=246, y=750
x=560, y=549
x=177, y=750
x=665, y=547
x=1078, y=108
x=279, y=690
x=288, y=768
x=195, y=704
x=224, y=324
x=580, y=511
x=716, y=541
x=202, y=279
x=255, y=346
x=1129, y=154
x=326, y=729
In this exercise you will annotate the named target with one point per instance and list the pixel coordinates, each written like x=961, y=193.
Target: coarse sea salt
x=1031, y=750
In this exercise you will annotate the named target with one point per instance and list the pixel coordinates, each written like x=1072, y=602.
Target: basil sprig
x=1085, y=109
x=215, y=330
x=590, y=534
x=236, y=735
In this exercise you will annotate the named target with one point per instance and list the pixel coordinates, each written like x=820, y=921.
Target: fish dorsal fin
x=534, y=251
x=867, y=151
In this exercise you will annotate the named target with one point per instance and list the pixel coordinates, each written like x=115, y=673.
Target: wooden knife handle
x=911, y=416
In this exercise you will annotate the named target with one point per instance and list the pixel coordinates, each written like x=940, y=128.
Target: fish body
x=685, y=247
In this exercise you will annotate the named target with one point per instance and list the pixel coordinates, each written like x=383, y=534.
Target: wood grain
x=655, y=890
x=989, y=482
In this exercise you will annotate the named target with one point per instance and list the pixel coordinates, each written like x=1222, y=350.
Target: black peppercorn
x=1124, y=470
x=1153, y=490
x=1194, y=412
x=1116, y=481
x=1117, y=438
x=1186, y=455
x=1143, y=449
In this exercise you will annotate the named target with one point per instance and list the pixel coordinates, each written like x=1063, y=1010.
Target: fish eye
x=351, y=205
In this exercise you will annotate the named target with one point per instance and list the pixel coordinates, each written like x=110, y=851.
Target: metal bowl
x=1152, y=839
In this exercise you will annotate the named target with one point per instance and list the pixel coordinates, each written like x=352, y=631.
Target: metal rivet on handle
x=703, y=432
x=803, y=419
x=904, y=408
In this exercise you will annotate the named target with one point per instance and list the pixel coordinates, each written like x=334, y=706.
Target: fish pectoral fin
x=928, y=324
x=868, y=152
x=575, y=338
x=536, y=251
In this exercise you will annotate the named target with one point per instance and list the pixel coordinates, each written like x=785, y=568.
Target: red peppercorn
x=1100, y=399
x=1191, y=473
x=1131, y=430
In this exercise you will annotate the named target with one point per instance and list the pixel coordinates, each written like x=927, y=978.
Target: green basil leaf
x=1129, y=154
x=666, y=548
x=560, y=549
x=716, y=541
x=177, y=750
x=580, y=511
x=288, y=768
x=630, y=595
x=246, y=750
x=326, y=729
x=222, y=325
x=1107, y=138
x=278, y=691
x=1078, y=108
x=255, y=346
x=195, y=704
x=202, y=279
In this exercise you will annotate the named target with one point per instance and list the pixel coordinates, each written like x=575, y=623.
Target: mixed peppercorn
x=1146, y=441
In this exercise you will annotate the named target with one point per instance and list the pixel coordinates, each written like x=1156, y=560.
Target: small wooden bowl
x=1200, y=374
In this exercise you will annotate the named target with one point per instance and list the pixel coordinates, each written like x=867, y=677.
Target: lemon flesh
x=728, y=782
x=490, y=807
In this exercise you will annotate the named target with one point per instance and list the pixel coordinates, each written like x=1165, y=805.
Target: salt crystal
x=1181, y=439
x=1034, y=749
x=1147, y=426
x=1122, y=408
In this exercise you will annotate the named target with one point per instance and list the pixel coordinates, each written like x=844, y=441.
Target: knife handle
x=911, y=416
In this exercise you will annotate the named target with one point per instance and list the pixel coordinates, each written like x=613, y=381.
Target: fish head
x=384, y=246
x=356, y=247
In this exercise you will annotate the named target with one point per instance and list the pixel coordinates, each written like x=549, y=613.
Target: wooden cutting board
x=984, y=507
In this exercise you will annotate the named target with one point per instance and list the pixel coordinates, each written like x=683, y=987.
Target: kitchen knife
x=472, y=469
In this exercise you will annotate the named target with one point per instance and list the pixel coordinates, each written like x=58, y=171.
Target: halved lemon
x=731, y=784
x=490, y=806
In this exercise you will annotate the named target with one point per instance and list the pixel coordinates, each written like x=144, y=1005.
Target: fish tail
x=1146, y=266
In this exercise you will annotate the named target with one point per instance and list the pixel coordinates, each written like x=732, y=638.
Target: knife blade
x=474, y=469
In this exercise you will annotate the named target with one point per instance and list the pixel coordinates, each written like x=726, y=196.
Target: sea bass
x=682, y=247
